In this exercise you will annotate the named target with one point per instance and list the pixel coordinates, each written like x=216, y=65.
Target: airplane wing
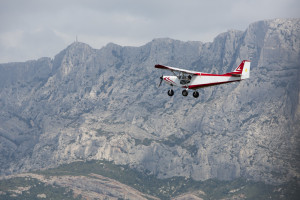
x=176, y=69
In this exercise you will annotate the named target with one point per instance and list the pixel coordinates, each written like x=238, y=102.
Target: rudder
x=246, y=69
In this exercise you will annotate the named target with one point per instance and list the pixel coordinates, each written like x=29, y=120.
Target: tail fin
x=243, y=70
x=246, y=69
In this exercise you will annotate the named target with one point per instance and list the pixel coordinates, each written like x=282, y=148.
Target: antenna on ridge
x=76, y=39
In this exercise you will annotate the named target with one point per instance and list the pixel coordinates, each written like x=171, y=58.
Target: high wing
x=177, y=69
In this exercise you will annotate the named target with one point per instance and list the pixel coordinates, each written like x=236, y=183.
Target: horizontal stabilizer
x=237, y=74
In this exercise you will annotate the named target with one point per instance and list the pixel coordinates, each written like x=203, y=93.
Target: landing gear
x=185, y=93
x=196, y=94
x=170, y=92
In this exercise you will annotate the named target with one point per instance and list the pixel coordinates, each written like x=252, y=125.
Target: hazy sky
x=30, y=29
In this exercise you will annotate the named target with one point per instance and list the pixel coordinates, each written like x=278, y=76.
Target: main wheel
x=185, y=93
x=196, y=94
x=170, y=92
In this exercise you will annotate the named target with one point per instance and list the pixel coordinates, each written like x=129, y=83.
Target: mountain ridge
x=104, y=104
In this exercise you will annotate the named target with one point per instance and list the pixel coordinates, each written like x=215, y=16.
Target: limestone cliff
x=104, y=104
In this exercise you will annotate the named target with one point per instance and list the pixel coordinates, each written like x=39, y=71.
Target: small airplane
x=194, y=80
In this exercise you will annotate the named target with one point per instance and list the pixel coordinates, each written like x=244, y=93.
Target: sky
x=31, y=29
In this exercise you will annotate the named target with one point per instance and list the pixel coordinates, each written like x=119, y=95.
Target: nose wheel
x=170, y=92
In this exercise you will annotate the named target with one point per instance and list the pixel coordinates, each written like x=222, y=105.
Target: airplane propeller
x=161, y=79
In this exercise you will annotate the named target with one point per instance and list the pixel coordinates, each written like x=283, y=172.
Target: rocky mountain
x=104, y=104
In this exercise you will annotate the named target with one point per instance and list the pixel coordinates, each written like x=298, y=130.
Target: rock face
x=104, y=104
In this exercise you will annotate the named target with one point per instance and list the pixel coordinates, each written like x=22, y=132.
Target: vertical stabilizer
x=246, y=69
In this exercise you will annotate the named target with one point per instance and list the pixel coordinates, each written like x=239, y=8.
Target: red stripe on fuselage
x=204, y=74
x=208, y=84
x=169, y=80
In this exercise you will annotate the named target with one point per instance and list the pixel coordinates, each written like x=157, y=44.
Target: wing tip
x=160, y=66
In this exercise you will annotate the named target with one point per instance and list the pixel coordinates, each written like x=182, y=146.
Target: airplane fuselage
x=200, y=80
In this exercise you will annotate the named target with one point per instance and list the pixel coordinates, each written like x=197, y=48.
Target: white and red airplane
x=194, y=80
